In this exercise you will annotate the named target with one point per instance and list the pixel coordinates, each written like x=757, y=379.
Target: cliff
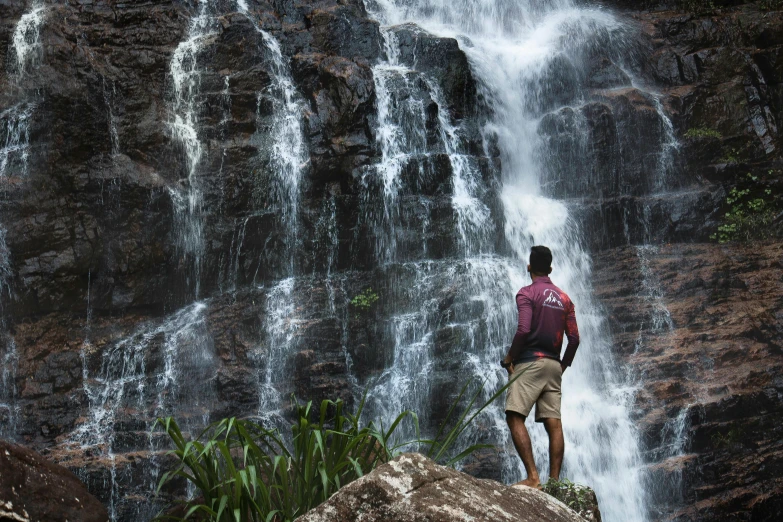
x=208, y=207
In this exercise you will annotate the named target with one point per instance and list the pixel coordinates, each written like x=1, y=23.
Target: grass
x=702, y=133
x=244, y=472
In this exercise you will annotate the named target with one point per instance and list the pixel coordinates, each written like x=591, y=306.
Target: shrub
x=702, y=132
x=244, y=472
x=730, y=156
x=751, y=214
x=364, y=300
x=771, y=5
x=697, y=6
x=730, y=438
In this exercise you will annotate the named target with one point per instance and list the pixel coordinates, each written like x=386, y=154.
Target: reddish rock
x=33, y=489
x=701, y=325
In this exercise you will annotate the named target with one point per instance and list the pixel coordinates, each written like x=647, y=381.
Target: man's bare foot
x=529, y=482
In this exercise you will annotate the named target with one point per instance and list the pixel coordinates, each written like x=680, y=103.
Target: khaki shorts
x=539, y=385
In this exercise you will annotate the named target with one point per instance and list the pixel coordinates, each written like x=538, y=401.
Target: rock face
x=579, y=498
x=33, y=489
x=412, y=488
x=110, y=316
x=701, y=326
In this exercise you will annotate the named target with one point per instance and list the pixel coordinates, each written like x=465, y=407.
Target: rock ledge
x=412, y=488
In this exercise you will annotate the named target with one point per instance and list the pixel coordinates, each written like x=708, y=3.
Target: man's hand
x=510, y=367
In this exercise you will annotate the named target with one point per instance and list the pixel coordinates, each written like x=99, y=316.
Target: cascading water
x=26, y=44
x=14, y=154
x=284, y=147
x=9, y=410
x=15, y=121
x=186, y=78
x=109, y=95
x=518, y=51
x=156, y=370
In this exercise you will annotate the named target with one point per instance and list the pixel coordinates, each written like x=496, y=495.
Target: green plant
x=771, y=5
x=751, y=213
x=573, y=495
x=245, y=472
x=702, y=132
x=697, y=6
x=730, y=438
x=364, y=300
x=730, y=156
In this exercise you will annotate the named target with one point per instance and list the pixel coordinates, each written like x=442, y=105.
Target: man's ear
x=550, y=271
x=528, y=268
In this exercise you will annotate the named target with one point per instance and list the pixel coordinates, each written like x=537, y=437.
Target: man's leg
x=521, y=438
x=554, y=428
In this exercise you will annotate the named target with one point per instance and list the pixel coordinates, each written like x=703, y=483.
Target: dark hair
x=540, y=260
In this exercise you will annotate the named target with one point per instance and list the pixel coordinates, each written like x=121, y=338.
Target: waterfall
x=287, y=161
x=186, y=79
x=9, y=358
x=25, y=42
x=517, y=51
x=108, y=99
x=26, y=50
x=15, y=121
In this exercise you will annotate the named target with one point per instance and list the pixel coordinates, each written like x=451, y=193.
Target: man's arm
x=572, y=333
x=525, y=307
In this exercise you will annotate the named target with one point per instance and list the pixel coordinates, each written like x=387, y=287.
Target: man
x=545, y=313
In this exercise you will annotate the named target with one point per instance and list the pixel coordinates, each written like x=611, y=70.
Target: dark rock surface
x=579, y=498
x=705, y=339
x=99, y=288
x=414, y=488
x=33, y=489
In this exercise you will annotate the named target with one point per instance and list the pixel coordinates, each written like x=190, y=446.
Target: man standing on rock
x=545, y=313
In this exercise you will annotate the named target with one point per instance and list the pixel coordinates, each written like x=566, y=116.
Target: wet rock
x=708, y=341
x=580, y=498
x=33, y=488
x=414, y=488
x=444, y=61
x=605, y=74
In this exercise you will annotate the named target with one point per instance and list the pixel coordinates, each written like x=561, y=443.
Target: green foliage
x=697, y=6
x=573, y=495
x=244, y=472
x=750, y=215
x=364, y=300
x=730, y=438
x=730, y=156
x=702, y=132
x=771, y=5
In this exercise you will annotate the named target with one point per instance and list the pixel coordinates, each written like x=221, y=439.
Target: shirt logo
x=553, y=300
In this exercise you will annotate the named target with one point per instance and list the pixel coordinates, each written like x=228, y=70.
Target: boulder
x=32, y=489
x=413, y=488
x=578, y=497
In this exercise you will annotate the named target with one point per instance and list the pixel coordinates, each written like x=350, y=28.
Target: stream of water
x=517, y=51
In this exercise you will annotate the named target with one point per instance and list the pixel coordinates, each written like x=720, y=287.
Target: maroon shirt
x=545, y=313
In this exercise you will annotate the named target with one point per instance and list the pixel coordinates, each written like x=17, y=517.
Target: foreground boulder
x=32, y=489
x=412, y=488
x=578, y=497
